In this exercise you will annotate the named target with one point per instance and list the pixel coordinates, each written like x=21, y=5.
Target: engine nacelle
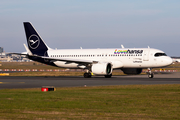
x=132, y=71
x=101, y=68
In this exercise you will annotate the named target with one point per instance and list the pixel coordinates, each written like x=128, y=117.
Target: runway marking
x=11, y=82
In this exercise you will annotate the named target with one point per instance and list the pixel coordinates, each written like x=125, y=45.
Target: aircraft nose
x=169, y=61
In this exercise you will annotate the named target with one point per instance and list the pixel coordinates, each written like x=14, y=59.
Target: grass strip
x=36, y=65
x=105, y=102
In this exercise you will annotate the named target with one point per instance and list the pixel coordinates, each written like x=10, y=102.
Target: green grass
x=25, y=65
x=107, y=102
x=47, y=74
x=36, y=65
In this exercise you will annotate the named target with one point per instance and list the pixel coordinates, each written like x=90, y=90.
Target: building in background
x=1, y=50
x=5, y=57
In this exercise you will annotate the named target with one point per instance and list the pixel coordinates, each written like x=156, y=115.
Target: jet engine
x=132, y=71
x=101, y=68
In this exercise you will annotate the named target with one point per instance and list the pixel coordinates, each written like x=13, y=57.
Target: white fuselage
x=119, y=58
x=96, y=61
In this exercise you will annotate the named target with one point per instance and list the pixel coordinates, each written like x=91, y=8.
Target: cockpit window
x=160, y=54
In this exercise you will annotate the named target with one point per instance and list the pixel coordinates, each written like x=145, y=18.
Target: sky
x=66, y=24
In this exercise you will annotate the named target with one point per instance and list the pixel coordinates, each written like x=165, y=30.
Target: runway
x=7, y=82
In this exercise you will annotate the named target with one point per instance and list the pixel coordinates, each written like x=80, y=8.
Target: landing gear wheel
x=108, y=76
x=150, y=75
x=87, y=75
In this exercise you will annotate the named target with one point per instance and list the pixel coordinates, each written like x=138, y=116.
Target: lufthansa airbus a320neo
x=96, y=61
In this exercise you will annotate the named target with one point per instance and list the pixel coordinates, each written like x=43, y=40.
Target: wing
x=29, y=55
x=23, y=54
x=79, y=61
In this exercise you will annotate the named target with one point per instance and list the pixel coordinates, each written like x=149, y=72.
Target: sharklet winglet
x=122, y=46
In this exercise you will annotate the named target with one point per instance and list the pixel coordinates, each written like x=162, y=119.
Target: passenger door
x=146, y=55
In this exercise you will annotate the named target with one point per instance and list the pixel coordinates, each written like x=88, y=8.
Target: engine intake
x=102, y=68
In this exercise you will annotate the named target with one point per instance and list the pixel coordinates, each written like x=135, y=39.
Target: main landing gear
x=108, y=76
x=150, y=73
x=87, y=75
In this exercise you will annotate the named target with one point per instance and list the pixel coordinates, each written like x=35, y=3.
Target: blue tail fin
x=36, y=45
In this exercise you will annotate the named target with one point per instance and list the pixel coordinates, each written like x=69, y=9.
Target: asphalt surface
x=7, y=82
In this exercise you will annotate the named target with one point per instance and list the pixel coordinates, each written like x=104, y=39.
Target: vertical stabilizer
x=35, y=43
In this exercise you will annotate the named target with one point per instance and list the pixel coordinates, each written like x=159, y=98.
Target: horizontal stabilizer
x=28, y=51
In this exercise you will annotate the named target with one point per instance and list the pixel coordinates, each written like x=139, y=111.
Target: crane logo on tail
x=33, y=41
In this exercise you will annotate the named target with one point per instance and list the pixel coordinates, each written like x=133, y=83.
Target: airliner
x=94, y=61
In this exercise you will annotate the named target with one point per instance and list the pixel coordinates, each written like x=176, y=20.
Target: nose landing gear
x=150, y=73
